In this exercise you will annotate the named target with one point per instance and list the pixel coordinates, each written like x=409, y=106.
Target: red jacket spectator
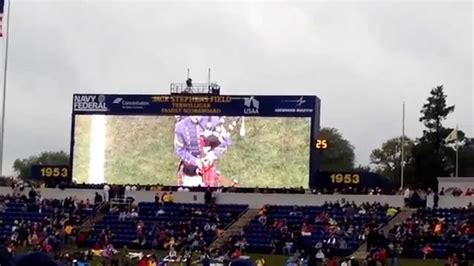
x=383, y=256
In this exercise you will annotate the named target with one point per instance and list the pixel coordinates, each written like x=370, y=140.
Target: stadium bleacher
x=177, y=221
x=437, y=232
x=289, y=228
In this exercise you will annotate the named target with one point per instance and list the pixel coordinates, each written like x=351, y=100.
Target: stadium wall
x=451, y=183
x=254, y=200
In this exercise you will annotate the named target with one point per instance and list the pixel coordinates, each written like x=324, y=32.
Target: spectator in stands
x=208, y=196
x=157, y=198
x=435, y=200
x=391, y=212
x=122, y=215
x=393, y=252
x=133, y=214
x=170, y=197
x=306, y=229
x=452, y=260
x=260, y=262
x=288, y=248
x=262, y=219
x=382, y=256
x=427, y=250
x=320, y=257
x=463, y=261
x=106, y=192
x=164, y=197
x=441, y=193
x=97, y=198
x=407, y=195
x=159, y=212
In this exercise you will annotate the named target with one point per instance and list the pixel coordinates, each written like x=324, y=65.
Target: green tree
x=433, y=113
x=22, y=167
x=387, y=159
x=430, y=154
x=339, y=156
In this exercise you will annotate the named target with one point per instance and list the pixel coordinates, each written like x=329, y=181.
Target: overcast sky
x=362, y=59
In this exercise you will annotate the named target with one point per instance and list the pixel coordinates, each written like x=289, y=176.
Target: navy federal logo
x=90, y=103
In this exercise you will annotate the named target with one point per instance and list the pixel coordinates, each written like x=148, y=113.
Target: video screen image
x=192, y=150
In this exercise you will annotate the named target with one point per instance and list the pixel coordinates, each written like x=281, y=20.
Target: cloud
x=362, y=60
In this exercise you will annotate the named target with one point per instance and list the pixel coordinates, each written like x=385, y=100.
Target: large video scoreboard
x=249, y=141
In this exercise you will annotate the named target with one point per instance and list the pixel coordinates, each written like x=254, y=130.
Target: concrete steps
x=88, y=224
x=401, y=216
x=235, y=228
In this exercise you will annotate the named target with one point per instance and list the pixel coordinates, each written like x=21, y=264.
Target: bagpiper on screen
x=199, y=142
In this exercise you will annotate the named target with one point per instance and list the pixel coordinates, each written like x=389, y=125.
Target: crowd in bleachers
x=436, y=233
x=178, y=228
x=322, y=233
x=30, y=221
x=314, y=232
x=428, y=233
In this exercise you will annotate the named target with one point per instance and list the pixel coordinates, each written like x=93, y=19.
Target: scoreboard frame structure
x=211, y=105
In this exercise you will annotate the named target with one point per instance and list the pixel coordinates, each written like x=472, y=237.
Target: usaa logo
x=251, y=105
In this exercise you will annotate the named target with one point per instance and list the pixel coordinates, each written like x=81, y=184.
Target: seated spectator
x=342, y=244
x=288, y=248
x=157, y=198
x=159, y=212
x=172, y=254
x=452, y=260
x=236, y=254
x=391, y=212
x=262, y=220
x=320, y=257
x=306, y=229
x=109, y=251
x=133, y=214
x=426, y=251
x=122, y=215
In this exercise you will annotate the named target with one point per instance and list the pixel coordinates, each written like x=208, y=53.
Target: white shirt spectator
x=320, y=255
x=406, y=193
x=160, y=212
x=134, y=188
x=172, y=253
x=106, y=192
x=133, y=214
x=180, y=189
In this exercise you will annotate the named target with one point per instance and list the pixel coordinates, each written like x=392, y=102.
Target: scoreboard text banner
x=296, y=106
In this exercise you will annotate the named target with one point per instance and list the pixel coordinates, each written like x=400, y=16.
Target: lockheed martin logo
x=251, y=105
x=299, y=102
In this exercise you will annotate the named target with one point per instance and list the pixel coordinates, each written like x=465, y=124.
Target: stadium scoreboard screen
x=192, y=140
